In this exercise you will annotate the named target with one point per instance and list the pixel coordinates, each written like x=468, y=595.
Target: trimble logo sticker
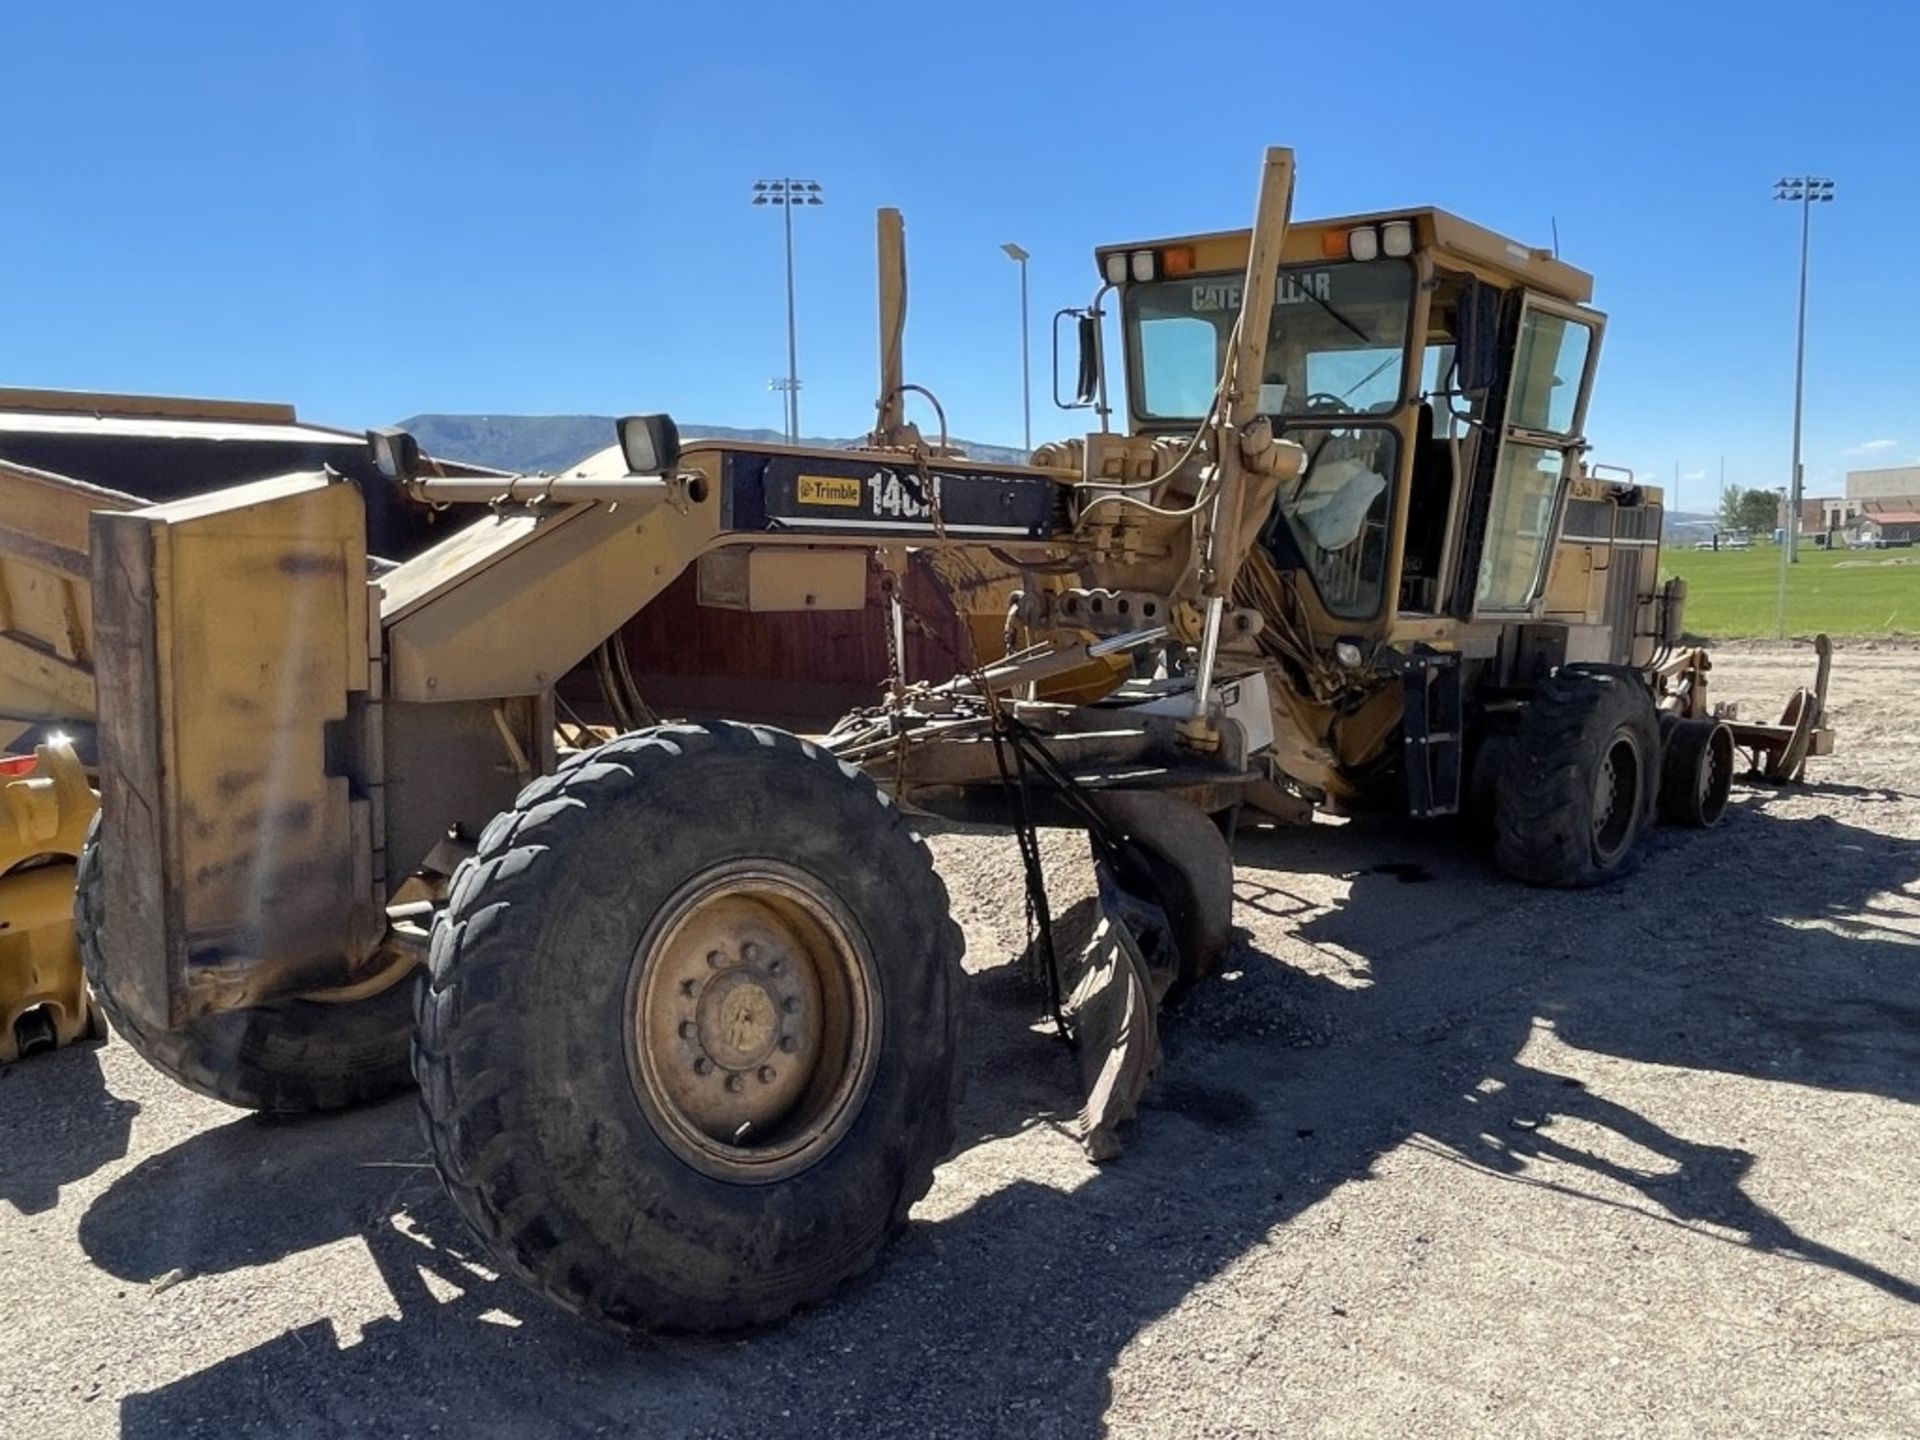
x=828, y=490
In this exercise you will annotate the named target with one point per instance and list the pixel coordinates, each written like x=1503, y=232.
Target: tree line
x=1755, y=511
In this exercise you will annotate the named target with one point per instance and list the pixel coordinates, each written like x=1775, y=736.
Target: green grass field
x=1733, y=593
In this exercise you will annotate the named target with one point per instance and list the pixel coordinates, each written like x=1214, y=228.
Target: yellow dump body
x=46, y=612
x=65, y=457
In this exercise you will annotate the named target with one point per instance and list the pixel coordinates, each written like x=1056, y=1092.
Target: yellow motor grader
x=683, y=1001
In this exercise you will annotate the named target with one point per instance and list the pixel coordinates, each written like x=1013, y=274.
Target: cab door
x=1541, y=437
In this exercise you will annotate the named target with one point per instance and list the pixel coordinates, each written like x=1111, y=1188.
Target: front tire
x=1578, y=781
x=688, y=1053
x=288, y=1057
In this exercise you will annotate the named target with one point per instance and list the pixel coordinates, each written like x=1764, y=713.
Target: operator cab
x=1435, y=373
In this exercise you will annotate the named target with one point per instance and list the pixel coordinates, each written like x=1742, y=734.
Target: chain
x=1008, y=735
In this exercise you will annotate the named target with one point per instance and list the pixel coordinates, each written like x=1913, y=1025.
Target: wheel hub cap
x=754, y=1022
x=739, y=1021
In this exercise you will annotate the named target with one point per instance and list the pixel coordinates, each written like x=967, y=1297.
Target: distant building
x=1882, y=524
x=1836, y=511
x=1886, y=506
x=1900, y=482
x=1823, y=515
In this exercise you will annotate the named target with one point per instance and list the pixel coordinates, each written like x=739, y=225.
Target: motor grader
x=684, y=1001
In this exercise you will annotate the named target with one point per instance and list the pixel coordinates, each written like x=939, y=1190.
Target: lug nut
x=735, y=1083
x=703, y=1066
x=776, y=966
x=766, y=1075
x=689, y=988
x=791, y=1005
x=749, y=952
x=688, y=1029
x=716, y=958
x=789, y=1043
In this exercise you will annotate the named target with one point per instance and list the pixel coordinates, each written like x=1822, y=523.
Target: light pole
x=1020, y=258
x=786, y=388
x=1780, y=605
x=1804, y=191
x=788, y=193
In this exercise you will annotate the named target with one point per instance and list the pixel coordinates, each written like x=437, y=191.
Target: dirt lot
x=1438, y=1154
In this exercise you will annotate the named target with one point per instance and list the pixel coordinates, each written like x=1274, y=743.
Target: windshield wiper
x=1307, y=291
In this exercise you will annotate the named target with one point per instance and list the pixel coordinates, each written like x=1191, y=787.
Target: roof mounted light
x=649, y=443
x=1396, y=239
x=395, y=452
x=1140, y=265
x=1114, y=267
x=1364, y=243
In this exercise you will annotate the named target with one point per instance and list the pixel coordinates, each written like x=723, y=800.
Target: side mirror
x=650, y=443
x=1086, y=380
x=395, y=452
x=1088, y=386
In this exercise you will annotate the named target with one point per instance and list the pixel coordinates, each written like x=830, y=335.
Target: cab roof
x=1455, y=242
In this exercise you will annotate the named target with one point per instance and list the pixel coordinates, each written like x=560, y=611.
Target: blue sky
x=376, y=209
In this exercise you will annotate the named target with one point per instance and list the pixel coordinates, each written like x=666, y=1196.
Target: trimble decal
x=828, y=490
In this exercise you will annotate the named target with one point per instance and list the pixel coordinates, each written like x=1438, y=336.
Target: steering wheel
x=1321, y=403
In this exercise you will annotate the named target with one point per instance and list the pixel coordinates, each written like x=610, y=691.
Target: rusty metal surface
x=1112, y=999
x=800, y=669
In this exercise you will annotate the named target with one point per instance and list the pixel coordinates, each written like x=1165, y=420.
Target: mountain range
x=533, y=443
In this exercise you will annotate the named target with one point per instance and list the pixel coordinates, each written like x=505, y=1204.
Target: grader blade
x=1113, y=993
x=1164, y=878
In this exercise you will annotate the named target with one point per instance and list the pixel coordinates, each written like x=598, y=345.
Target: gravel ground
x=1437, y=1154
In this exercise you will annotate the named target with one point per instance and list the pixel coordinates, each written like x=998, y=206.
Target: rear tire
x=1696, y=773
x=1578, y=782
x=287, y=1057
x=584, y=1124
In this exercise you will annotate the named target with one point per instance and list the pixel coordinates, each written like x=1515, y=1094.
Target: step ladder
x=1433, y=724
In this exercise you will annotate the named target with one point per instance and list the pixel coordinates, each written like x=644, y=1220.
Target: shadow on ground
x=1282, y=1083
x=48, y=1146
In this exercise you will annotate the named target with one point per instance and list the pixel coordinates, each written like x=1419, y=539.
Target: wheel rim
x=1716, y=775
x=1616, y=798
x=754, y=1029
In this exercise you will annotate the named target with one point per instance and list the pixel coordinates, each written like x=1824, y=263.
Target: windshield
x=1337, y=343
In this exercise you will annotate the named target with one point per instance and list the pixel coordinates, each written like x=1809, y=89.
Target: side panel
x=46, y=615
x=235, y=640
x=142, y=946
x=447, y=765
x=1605, y=567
